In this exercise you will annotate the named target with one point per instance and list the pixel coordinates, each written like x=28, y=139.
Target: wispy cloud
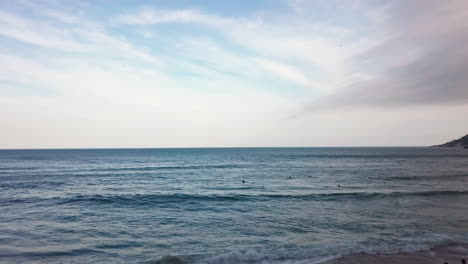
x=38, y=33
x=83, y=38
x=413, y=54
x=195, y=75
x=321, y=50
x=148, y=15
x=285, y=71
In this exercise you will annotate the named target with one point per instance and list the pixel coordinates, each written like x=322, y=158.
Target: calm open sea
x=228, y=205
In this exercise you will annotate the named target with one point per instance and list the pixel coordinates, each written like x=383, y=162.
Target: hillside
x=461, y=142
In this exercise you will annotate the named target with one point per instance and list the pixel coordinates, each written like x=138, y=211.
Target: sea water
x=228, y=205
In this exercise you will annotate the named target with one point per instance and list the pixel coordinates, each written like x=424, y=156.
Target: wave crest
x=181, y=197
x=149, y=199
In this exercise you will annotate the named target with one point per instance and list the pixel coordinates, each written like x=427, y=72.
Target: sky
x=206, y=73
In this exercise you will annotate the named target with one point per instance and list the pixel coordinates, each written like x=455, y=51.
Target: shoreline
x=451, y=254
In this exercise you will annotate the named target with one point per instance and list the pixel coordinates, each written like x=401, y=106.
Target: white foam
x=324, y=253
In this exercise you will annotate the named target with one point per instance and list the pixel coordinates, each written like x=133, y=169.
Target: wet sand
x=452, y=254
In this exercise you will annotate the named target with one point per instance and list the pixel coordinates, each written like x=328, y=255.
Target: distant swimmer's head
x=243, y=181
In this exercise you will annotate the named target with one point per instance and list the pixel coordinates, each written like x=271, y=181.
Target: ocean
x=228, y=205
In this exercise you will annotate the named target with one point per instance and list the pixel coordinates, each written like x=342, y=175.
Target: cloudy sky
x=205, y=73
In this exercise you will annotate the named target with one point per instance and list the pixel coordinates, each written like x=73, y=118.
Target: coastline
x=451, y=254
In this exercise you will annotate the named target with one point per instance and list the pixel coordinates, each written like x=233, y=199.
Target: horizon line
x=128, y=148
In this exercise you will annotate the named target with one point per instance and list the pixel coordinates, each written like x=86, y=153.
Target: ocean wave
x=310, y=255
x=46, y=254
x=372, y=156
x=28, y=157
x=8, y=169
x=30, y=184
x=411, y=178
x=320, y=254
x=149, y=199
x=175, y=167
x=112, y=171
x=364, y=195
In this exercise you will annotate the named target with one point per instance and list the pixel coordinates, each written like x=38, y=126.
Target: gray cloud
x=422, y=59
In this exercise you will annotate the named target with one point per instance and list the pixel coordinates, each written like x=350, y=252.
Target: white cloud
x=148, y=15
x=293, y=49
x=84, y=38
x=214, y=87
x=37, y=33
x=287, y=72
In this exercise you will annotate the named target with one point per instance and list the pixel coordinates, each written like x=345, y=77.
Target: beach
x=450, y=254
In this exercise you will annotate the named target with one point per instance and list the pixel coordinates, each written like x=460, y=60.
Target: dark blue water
x=298, y=205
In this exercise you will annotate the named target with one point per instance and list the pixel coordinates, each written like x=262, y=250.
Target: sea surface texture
x=232, y=205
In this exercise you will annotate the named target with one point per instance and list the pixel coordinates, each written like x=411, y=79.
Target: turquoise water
x=233, y=205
